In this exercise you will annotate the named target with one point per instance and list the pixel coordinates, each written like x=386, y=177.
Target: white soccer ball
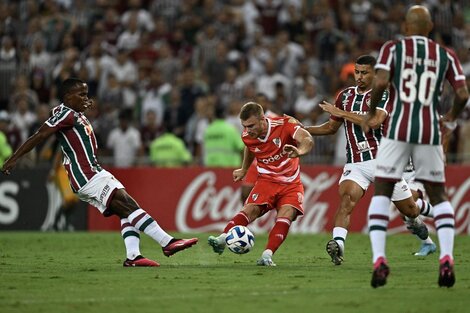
x=240, y=240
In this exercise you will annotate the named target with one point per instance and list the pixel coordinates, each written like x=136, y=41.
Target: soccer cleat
x=176, y=245
x=418, y=228
x=446, y=272
x=426, y=249
x=265, y=261
x=217, y=246
x=380, y=273
x=335, y=252
x=140, y=261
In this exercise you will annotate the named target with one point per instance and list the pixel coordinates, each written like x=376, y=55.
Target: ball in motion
x=240, y=240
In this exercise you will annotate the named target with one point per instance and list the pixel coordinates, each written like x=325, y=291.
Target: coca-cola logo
x=208, y=202
x=204, y=208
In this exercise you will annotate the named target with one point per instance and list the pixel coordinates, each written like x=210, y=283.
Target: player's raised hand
x=329, y=108
x=239, y=174
x=292, y=151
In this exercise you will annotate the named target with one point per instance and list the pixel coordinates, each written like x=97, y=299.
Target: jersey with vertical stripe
x=272, y=162
x=360, y=146
x=418, y=68
x=78, y=143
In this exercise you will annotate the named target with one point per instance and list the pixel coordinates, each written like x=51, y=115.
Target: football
x=240, y=240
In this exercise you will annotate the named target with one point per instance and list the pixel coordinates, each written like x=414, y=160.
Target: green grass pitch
x=82, y=272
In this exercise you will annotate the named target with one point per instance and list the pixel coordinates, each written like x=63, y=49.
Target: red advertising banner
x=204, y=200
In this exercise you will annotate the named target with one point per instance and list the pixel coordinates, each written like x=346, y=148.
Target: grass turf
x=82, y=272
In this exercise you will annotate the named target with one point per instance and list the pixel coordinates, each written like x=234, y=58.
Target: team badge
x=254, y=196
x=257, y=149
x=277, y=142
x=368, y=102
x=346, y=173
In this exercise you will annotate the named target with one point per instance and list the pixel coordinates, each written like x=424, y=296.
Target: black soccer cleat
x=380, y=273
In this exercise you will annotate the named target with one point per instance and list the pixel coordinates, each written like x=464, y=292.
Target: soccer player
x=276, y=143
x=89, y=180
x=350, y=106
x=414, y=69
x=249, y=180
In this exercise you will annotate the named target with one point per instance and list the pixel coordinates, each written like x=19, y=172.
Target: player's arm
x=460, y=101
x=380, y=84
x=304, y=144
x=42, y=134
x=248, y=158
x=335, y=111
x=327, y=128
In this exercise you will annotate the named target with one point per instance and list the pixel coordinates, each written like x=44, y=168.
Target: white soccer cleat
x=217, y=244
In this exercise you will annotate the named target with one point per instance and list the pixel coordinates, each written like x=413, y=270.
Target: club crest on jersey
x=86, y=125
x=254, y=196
x=277, y=142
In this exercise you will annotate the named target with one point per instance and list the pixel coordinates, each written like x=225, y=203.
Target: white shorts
x=410, y=178
x=393, y=156
x=362, y=173
x=99, y=190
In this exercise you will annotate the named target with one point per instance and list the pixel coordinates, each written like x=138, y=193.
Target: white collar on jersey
x=267, y=133
x=358, y=93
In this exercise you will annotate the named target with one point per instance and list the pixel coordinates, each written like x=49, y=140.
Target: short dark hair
x=366, y=60
x=251, y=109
x=68, y=85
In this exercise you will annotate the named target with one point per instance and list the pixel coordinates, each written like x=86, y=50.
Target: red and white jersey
x=272, y=162
x=418, y=69
x=78, y=143
x=360, y=146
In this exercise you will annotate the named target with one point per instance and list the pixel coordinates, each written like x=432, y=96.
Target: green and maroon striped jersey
x=78, y=143
x=418, y=68
x=360, y=146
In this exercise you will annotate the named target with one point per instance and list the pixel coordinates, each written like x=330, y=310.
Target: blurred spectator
x=230, y=89
x=173, y=118
x=9, y=130
x=169, y=150
x=222, y=145
x=22, y=117
x=5, y=149
x=196, y=126
x=154, y=97
x=124, y=141
x=129, y=38
x=150, y=130
x=307, y=107
x=167, y=64
x=8, y=68
x=125, y=71
x=21, y=90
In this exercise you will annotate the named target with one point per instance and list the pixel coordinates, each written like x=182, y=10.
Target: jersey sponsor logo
x=346, y=172
x=363, y=146
x=104, y=192
x=277, y=142
x=436, y=173
x=274, y=158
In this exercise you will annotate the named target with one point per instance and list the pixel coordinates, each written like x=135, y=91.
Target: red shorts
x=251, y=176
x=274, y=195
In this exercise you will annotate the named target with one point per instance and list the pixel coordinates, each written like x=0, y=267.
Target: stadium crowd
x=159, y=70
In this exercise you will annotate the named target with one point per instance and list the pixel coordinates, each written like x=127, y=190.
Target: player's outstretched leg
x=266, y=259
x=335, y=252
x=176, y=245
x=446, y=272
x=217, y=243
x=426, y=249
x=417, y=227
x=380, y=273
